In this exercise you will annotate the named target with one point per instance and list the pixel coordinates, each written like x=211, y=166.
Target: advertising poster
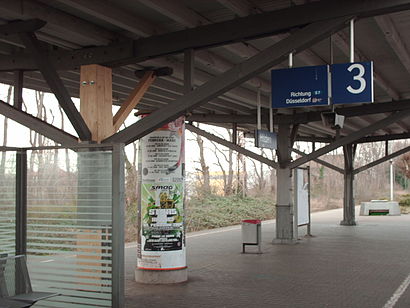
x=162, y=242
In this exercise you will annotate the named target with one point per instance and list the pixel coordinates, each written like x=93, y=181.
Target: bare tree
x=260, y=177
x=56, y=151
x=36, y=139
x=204, y=170
x=67, y=156
x=403, y=163
x=242, y=175
x=227, y=163
x=220, y=164
x=371, y=183
x=272, y=173
x=131, y=177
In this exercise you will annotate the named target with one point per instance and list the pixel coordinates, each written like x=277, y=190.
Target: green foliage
x=132, y=213
x=131, y=219
x=402, y=180
x=216, y=211
x=405, y=200
x=321, y=172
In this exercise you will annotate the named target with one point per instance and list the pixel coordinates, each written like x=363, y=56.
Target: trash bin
x=251, y=233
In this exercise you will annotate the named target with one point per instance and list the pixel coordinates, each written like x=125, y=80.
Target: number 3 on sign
x=352, y=82
x=358, y=77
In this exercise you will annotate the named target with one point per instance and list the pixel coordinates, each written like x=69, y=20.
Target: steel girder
x=56, y=85
x=382, y=160
x=267, y=58
x=351, y=138
x=238, y=29
x=37, y=125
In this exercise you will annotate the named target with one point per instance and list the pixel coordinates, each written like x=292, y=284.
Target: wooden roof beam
x=133, y=99
x=392, y=36
x=341, y=41
x=230, y=79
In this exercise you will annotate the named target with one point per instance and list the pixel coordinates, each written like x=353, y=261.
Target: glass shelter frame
x=94, y=264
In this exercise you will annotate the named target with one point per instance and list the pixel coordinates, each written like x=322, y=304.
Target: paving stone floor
x=349, y=267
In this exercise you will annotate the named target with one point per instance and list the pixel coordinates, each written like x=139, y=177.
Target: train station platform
x=367, y=265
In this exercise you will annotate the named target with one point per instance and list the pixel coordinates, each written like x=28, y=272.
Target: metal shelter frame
x=117, y=209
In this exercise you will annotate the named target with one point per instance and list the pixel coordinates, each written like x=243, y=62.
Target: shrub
x=216, y=211
x=405, y=200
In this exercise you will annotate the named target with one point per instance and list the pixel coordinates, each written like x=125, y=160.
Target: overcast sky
x=18, y=135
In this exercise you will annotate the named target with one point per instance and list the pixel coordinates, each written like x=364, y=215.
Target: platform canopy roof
x=134, y=35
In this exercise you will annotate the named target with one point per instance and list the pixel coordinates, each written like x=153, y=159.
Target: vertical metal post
x=386, y=148
x=189, y=67
x=284, y=211
x=21, y=212
x=308, y=228
x=348, y=198
x=295, y=203
x=259, y=236
x=18, y=89
x=391, y=180
x=331, y=48
x=21, y=202
x=118, y=226
x=258, y=110
x=235, y=133
x=291, y=60
x=271, y=127
x=352, y=40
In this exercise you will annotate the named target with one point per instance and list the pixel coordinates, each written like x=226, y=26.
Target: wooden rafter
x=133, y=99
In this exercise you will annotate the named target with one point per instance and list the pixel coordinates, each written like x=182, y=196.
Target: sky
x=18, y=135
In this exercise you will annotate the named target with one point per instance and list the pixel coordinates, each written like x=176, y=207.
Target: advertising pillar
x=161, y=255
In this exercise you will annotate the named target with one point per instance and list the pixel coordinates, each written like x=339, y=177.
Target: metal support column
x=235, y=133
x=348, y=196
x=18, y=89
x=284, y=207
x=21, y=202
x=189, y=70
x=118, y=207
x=391, y=180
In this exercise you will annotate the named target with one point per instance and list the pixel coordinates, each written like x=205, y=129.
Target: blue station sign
x=310, y=85
x=352, y=83
x=265, y=139
x=299, y=87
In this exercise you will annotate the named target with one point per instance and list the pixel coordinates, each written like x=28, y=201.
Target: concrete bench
x=380, y=207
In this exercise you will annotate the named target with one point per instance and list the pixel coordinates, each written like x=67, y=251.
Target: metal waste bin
x=251, y=233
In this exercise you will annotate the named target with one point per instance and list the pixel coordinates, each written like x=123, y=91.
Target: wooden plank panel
x=96, y=100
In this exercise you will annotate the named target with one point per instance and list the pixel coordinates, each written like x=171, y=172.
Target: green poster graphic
x=162, y=216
